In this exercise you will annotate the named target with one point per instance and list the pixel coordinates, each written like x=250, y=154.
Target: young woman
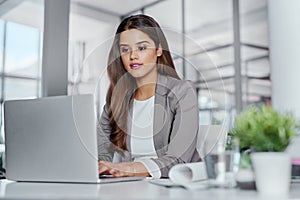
x=151, y=116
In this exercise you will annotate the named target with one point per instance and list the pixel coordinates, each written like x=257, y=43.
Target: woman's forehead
x=134, y=36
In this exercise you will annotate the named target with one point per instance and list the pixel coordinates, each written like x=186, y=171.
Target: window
x=20, y=51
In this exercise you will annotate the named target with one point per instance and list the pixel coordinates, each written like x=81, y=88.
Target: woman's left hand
x=122, y=169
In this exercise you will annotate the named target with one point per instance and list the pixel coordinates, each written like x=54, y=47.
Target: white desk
x=125, y=190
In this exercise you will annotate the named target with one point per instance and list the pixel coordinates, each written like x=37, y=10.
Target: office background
x=221, y=45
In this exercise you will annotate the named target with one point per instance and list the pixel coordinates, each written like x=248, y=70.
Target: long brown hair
x=122, y=85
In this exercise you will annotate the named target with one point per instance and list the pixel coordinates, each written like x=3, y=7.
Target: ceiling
x=115, y=7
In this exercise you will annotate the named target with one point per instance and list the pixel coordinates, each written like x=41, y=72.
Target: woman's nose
x=134, y=55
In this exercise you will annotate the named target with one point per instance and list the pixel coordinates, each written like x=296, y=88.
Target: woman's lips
x=135, y=65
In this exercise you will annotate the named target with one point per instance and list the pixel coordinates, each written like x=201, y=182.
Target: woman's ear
x=159, y=51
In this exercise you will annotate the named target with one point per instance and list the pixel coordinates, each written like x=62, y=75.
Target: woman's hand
x=122, y=169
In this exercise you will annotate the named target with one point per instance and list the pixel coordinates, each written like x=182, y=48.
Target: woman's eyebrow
x=141, y=42
x=123, y=45
x=144, y=41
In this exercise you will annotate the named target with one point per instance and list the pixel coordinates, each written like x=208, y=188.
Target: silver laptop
x=52, y=139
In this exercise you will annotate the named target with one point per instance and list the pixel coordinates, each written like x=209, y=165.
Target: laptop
x=53, y=139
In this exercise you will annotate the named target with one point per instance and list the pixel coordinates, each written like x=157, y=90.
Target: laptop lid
x=51, y=139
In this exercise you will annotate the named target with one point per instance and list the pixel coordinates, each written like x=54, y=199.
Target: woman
x=150, y=116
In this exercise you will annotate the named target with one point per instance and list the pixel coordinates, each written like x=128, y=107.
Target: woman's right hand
x=122, y=169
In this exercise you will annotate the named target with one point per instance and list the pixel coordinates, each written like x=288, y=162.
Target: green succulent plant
x=264, y=129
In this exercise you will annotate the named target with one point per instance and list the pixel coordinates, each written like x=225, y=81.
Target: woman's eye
x=125, y=50
x=141, y=48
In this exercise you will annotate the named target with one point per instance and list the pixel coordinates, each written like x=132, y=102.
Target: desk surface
x=125, y=190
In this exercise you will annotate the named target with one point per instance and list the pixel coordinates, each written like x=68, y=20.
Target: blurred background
x=221, y=45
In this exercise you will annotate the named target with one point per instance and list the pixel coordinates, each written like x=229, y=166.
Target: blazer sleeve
x=105, y=146
x=183, y=135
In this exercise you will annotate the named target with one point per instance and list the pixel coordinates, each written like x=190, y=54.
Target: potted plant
x=264, y=130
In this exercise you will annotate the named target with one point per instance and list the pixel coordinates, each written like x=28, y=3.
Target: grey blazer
x=175, y=126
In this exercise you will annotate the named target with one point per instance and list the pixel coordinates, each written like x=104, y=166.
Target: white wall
x=284, y=21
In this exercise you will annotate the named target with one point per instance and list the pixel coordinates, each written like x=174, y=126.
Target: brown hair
x=122, y=85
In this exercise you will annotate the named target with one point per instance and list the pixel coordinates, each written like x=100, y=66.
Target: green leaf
x=264, y=129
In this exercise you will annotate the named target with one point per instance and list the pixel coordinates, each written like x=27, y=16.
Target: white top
x=142, y=144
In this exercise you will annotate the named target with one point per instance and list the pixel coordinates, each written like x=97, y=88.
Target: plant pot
x=272, y=173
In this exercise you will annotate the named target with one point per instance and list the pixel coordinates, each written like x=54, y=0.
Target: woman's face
x=139, y=54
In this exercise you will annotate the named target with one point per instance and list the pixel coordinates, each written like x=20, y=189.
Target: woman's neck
x=146, y=88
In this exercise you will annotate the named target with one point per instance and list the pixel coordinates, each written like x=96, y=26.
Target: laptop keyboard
x=112, y=179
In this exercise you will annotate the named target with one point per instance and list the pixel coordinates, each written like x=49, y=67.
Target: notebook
x=53, y=139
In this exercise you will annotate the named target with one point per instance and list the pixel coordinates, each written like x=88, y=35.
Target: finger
x=103, y=167
x=121, y=171
x=103, y=170
x=117, y=173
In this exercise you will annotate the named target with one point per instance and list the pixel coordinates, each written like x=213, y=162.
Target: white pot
x=272, y=173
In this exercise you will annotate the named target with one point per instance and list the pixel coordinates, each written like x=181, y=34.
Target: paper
x=191, y=176
x=186, y=173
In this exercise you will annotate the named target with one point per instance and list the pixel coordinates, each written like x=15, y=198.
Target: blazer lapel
x=128, y=136
x=159, y=118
